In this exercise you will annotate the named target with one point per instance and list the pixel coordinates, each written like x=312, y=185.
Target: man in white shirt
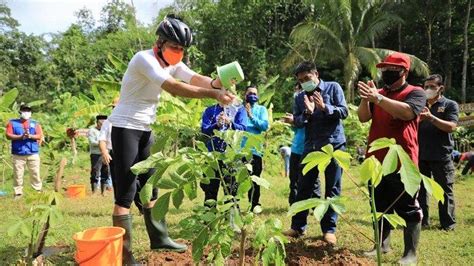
x=148, y=73
x=99, y=171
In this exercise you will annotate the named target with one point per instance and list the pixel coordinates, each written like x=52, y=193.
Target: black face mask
x=390, y=76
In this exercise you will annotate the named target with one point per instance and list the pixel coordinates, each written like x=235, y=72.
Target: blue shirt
x=297, y=146
x=256, y=124
x=323, y=126
x=209, y=123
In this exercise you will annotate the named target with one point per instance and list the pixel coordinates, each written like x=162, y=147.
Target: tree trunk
x=449, y=64
x=399, y=31
x=429, y=27
x=466, y=54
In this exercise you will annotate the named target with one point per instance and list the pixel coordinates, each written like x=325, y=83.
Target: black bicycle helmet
x=175, y=30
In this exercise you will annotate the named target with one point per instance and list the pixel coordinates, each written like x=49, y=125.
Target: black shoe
x=158, y=234
x=411, y=235
x=125, y=222
x=102, y=188
x=449, y=228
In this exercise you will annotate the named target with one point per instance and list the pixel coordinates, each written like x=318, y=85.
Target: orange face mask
x=171, y=56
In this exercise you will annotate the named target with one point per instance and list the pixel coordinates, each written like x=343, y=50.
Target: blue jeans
x=308, y=185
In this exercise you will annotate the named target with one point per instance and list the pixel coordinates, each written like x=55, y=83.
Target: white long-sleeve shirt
x=141, y=89
x=106, y=134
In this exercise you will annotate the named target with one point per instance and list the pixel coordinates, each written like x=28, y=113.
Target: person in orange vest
x=25, y=135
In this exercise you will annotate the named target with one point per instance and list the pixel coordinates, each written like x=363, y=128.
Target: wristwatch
x=379, y=98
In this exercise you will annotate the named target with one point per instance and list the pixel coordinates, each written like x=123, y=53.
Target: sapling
x=371, y=173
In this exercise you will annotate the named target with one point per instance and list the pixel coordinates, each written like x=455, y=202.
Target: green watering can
x=230, y=74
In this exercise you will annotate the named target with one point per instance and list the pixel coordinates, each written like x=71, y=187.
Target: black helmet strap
x=160, y=53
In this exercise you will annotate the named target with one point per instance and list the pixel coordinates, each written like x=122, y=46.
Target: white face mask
x=25, y=115
x=431, y=94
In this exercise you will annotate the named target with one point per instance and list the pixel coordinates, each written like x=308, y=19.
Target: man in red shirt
x=394, y=111
x=25, y=135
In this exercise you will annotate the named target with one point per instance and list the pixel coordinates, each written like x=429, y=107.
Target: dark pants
x=130, y=147
x=212, y=189
x=443, y=174
x=388, y=191
x=99, y=171
x=295, y=173
x=254, y=192
x=112, y=170
x=309, y=185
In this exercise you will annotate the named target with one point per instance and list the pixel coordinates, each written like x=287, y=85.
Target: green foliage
x=42, y=216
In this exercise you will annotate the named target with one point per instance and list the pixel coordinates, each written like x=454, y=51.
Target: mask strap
x=159, y=53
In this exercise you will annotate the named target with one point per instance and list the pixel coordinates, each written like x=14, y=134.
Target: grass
x=436, y=247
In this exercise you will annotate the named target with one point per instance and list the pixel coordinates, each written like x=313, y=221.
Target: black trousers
x=254, y=192
x=112, y=170
x=387, y=192
x=295, y=174
x=212, y=189
x=130, y=147
x=443, y=174
x=99, y=171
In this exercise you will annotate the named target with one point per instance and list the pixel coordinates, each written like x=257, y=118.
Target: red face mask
x=171, y=56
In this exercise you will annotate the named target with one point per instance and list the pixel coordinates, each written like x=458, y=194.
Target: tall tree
x=343, y=35
x=466, y=52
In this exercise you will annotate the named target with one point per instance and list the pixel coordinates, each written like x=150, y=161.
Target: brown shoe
x=330, y=238
x=293, y=233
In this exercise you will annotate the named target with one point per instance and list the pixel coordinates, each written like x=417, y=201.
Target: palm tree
x=345, y=34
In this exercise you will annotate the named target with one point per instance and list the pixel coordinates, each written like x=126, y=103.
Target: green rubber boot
x=125, y=222
x=411, y=236
x=158, y=234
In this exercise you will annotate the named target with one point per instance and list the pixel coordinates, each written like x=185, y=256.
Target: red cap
x=396, y=59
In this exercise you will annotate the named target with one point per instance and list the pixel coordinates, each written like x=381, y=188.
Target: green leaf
x=338, y=204
x=395, y=220
x=166, y=183
x=146, y=193
x=328, y=149
x=321, y=209
x=261, y=181
x=237, y=218
x=371, y=170
x=433, y=188
x=7, y=99
x=343, y=159
x=201, y=146
x=381, y=143
x=178, y=196
x=410, y=176
x=318, y=158
x=161, y=207
x=190, y=189
x=15, y=229
x=390, y=162
x=303, y=205
x=199, y=244
x=244, y=187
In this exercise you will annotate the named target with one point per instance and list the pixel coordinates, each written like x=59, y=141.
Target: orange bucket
x=76, y=191
x=99, y=246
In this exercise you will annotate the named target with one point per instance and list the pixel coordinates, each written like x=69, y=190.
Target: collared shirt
x=209, y=123
x=323, y=126
x=256, y=124
x=435, y=144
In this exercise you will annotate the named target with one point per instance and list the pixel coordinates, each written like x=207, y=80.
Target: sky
x=52, y=16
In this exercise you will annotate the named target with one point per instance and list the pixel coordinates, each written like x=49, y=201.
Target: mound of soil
x=307, y=251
